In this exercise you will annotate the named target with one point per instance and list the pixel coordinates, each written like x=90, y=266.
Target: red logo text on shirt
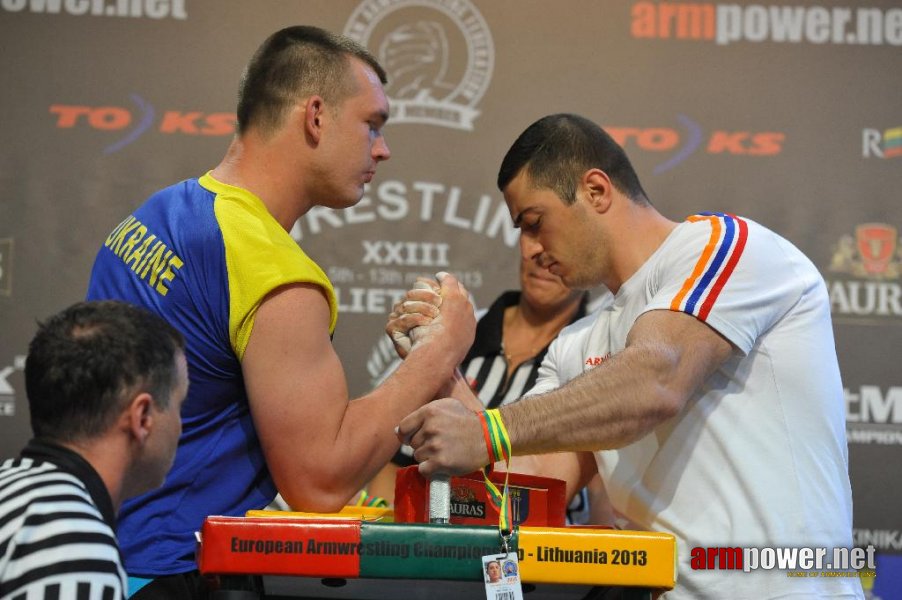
x=594, y=361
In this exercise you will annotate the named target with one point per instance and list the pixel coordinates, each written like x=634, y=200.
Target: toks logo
x=132, y=124
x=667, y=139
x=873, y=259
x=439, y=56
x=881, y=145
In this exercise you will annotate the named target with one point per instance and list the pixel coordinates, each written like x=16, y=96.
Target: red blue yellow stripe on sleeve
x=715, y=265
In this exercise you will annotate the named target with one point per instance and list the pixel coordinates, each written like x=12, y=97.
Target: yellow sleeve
x=260, y=257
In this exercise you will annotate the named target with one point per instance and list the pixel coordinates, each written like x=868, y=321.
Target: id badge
x=501, y=573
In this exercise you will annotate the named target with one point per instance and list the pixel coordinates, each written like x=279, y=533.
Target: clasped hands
x=445, y=435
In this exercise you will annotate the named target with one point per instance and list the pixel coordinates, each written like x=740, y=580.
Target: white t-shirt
x=758, y=456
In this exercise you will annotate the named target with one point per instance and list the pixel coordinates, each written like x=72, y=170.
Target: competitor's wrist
x=497, y=440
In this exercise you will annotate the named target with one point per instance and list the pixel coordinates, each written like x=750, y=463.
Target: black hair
x=557, y=150
x=87, y=361
x=294, y=63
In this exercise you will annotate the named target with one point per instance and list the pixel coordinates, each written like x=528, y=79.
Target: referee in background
x=105, y=381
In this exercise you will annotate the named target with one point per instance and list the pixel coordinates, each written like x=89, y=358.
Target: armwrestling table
x=381, y=554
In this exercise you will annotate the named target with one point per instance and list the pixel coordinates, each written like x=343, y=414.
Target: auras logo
x=690, y=137
x=881, y=144
x=866, y=267
x=465, y=504
x=130, y=123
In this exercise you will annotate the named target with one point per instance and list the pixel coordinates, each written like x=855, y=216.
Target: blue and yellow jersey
x=203, y=255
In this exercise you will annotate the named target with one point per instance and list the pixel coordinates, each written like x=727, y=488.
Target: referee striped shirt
x=57, y=522
x=485, y=367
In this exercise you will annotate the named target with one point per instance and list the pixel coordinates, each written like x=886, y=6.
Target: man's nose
x=530, y=248
x=380, y=149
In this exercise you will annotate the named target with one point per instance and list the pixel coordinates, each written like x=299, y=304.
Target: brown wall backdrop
x=789, y=114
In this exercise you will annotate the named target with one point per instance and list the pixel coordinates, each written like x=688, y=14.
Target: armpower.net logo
x=806, y=562
x=133, y=9
x=731, y=23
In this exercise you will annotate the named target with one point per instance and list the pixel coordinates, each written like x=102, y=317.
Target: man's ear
x=598, y=189
x=314, y=110
x=138, y=417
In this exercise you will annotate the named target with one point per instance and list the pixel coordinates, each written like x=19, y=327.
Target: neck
x=637, y=232
x=546, y=318
x=110, y=459
x=259, y=166
x=527, y=329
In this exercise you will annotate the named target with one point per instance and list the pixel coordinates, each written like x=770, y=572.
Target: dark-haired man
x=268, y=407
x=493, y=571
x=105, y=381
x=708, y=390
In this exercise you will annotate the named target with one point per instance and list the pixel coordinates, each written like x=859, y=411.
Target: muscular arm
x=320, y=447
x=458, y=387
x=668, y=355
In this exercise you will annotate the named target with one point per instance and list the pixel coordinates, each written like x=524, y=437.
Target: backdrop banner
x=789, y=114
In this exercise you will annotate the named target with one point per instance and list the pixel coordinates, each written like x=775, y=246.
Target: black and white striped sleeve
x=54, y=543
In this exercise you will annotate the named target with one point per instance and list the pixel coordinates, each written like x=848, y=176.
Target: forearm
x=667, y=357
x=361, y=411
x=609, y=406
x=459, y=388
x=362, y=440
x=320, y=447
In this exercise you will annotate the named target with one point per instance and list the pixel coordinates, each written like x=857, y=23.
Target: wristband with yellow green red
x=498, y=446
x=488, y=441
x=498, y=442
x=364, y=499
